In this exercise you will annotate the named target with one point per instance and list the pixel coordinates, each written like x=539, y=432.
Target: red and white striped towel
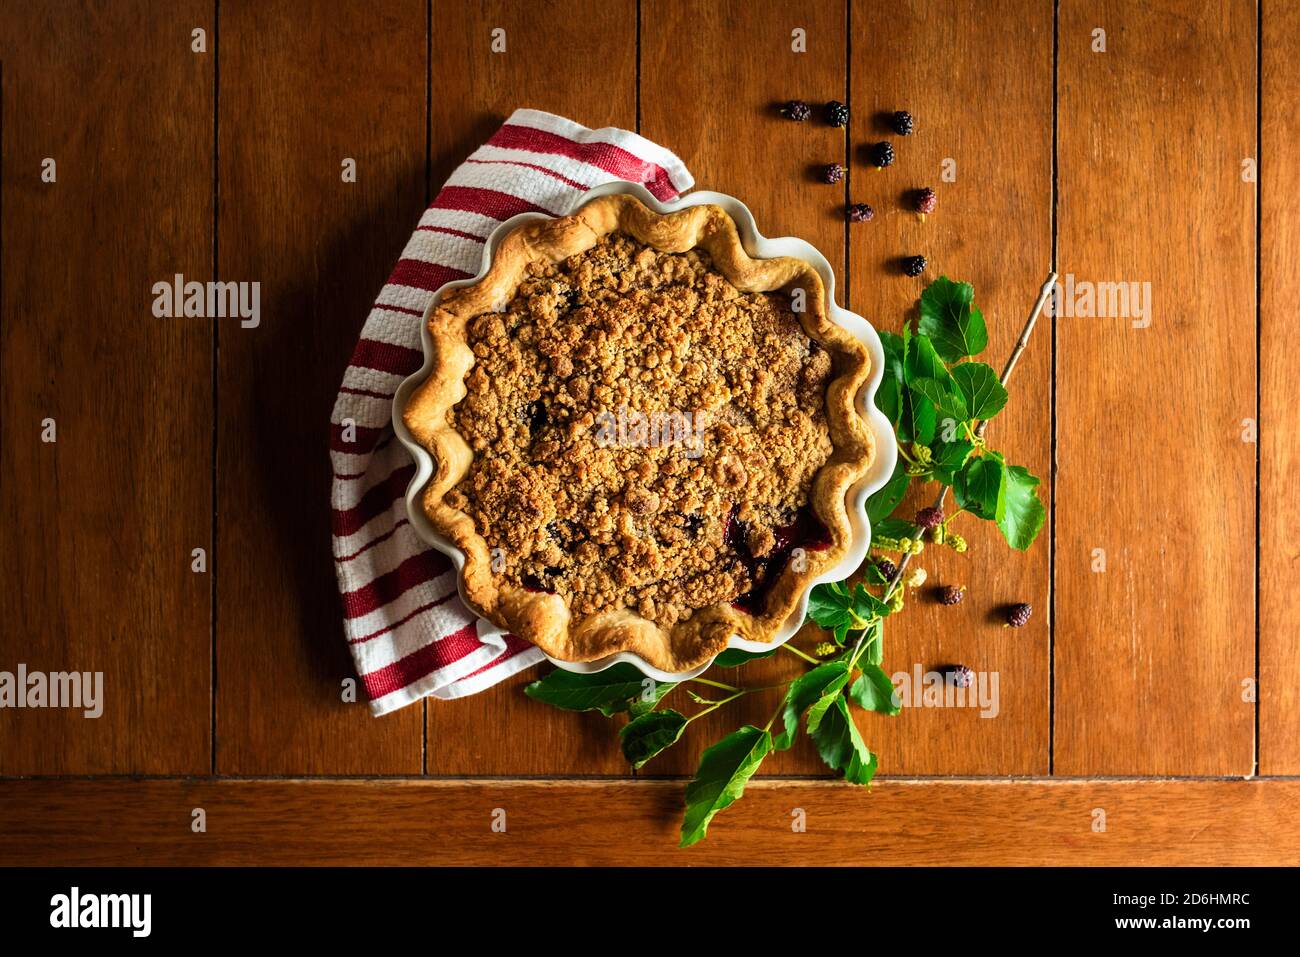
x=409, y=633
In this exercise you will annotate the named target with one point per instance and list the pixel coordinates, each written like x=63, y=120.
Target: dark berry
x=902, y=123
x=960, y=675
x=882, y=154
x=536, y=417
x=1018, y=615
x=929, y=517
x=535, y=583
x=951, y=594
x=859, y=212
x=886, y=568
x=925, y=201
x=796, y=110
x=836, y=113
x=914, y=265
x=832, y=173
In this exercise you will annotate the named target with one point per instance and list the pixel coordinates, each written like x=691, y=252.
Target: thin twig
x=1007, y=369
x=795, y=651
x=1023, y=341
x=714, y=684
x=715, y=706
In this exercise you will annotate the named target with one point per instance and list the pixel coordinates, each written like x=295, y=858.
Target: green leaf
x=920, y=418
x=889, y=400
x=894, y=345
x=841, y=747
x=866, y=605
x=828, y=606
x=882, y=502
x=932, y=389
x=873, y=650
x=981, y=487
x=919, y=415
x=889, y=396
x=952, y=321
x=949, y=457
x=873, y=691
x=649, y=698
x=979, y=384
x=1024, y=514
x=833, y=606
x=922, y=361
x=821, y=706
x=948, y=398
x=724, y=771
x=892, y=528
x=609, y=692
x=805, y=692
x=647, y=735
x=735, y=657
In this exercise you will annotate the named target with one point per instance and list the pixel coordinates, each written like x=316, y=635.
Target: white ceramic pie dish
x=759, y=247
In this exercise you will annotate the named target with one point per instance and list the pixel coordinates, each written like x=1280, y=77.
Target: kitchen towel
x=409, y=633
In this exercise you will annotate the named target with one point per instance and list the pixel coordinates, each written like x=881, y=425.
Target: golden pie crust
x=619, y=304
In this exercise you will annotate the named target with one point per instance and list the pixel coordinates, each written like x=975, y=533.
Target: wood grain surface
x=304, y=86
x=97, y=528
x=1152, y=652
x=549, y=64
x=1279, y=451
x=1127, y=165
x=595, y=823
x=992, y=228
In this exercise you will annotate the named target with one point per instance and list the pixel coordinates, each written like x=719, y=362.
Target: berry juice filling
x=541, y=584
x=805, y=531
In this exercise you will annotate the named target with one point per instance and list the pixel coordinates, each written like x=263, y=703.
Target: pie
x=642, y=438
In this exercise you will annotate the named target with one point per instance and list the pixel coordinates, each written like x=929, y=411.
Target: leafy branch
x=939, y=401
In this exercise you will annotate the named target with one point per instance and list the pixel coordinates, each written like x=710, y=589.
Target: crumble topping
x=644, y=434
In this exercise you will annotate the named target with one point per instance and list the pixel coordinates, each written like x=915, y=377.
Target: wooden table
x=1158, y=679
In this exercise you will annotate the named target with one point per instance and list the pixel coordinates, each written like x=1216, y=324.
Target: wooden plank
x=98, y=527
x=992, y=172
x=592, y=823
x=720, y=114
x=720, y=117
x=303, y=86
x=549, y=63
x=1152, y=652
x=1279, y=532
